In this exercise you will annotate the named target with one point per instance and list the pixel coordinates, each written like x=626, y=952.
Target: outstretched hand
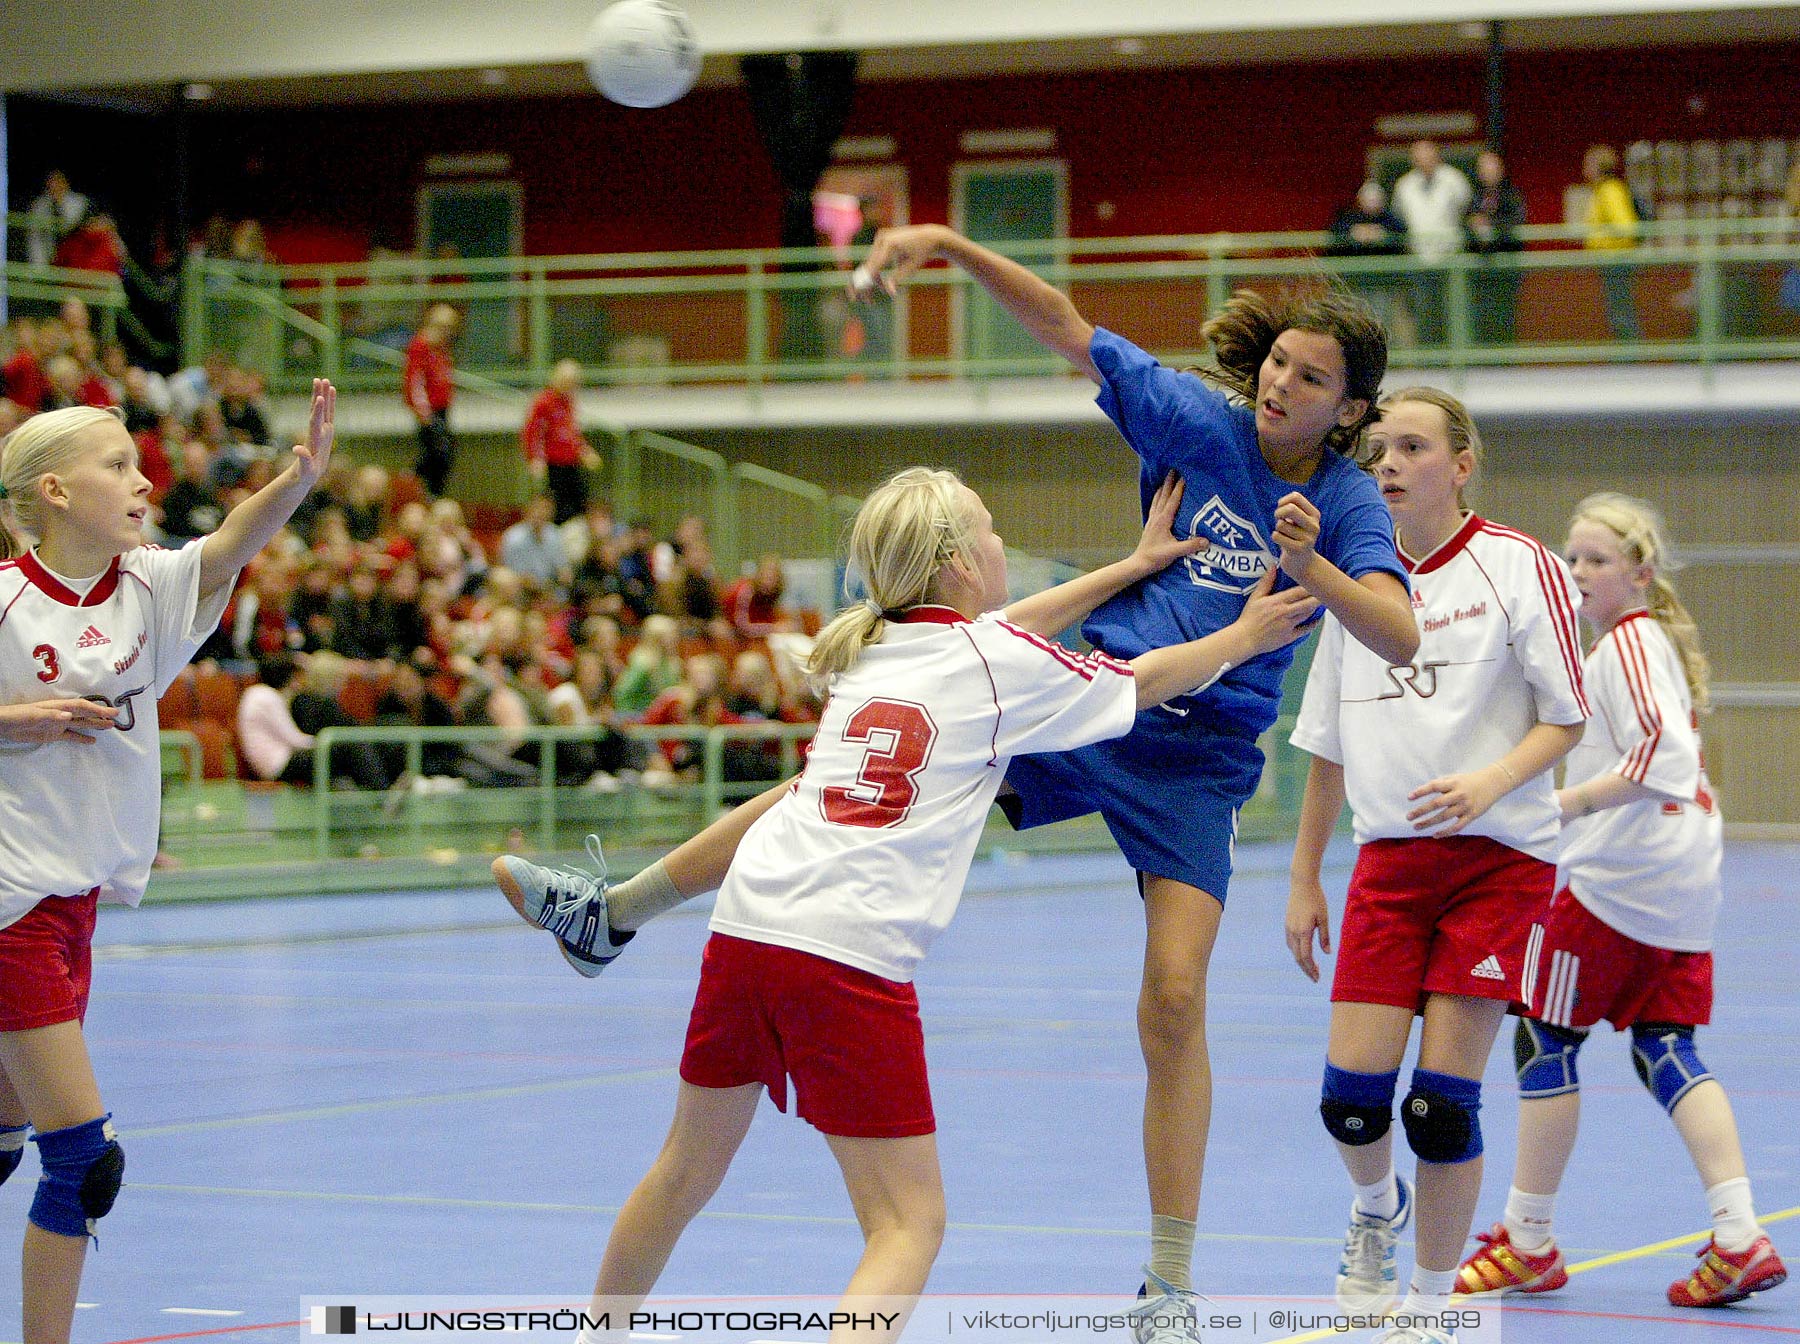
x=894, y=257
x=312, y=457
x=1159, y=547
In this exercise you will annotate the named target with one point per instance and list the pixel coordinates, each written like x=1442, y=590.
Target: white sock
x=1429, y=1293
x=1733, y=1215
x=1172, y=1250
x=1381, y=1199
x=1528, y=1219
x=637, y=900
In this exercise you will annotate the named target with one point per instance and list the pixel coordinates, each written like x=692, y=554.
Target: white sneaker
x=1164, y=1314
x=568, y=903
x=1368, y=1277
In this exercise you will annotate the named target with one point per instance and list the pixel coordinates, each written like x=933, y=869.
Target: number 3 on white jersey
x=897, y=737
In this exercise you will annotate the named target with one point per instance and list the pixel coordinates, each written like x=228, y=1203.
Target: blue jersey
x=1178, y=422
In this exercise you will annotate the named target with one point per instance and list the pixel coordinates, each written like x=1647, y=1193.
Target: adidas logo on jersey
x=1488, y=969
x=91, y=638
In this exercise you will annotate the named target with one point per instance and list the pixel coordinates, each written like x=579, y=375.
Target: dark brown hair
x=1243, y=331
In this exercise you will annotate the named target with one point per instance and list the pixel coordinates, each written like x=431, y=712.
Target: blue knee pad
x=1544, y=1056
x=83, y=1170
x=1663, y=1055
x=1357, y=1108
x=12, y=1149
x=1442, y=1116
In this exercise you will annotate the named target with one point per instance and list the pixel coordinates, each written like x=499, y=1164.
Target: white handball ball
x=643, y=53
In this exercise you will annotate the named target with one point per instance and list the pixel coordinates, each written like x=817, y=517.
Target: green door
x=1007, y=203
x=476, y=219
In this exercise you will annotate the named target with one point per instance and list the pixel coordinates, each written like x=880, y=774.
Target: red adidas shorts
x=1589, y=970
x=851, y=1041
x=1428, y=916
x=46, y=963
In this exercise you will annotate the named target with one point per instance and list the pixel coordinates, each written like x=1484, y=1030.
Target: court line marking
x=1600, y=1262
x=724, y=1215
x=398, y=1103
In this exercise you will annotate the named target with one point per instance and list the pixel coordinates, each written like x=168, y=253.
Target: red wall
x=1172, y=151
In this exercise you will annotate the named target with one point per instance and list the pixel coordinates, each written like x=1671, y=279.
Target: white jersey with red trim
x=78, y=815
x=1499, y=651
x=863, y=861
x=1649, y=869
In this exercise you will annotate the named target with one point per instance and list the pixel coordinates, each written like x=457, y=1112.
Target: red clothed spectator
x=427, y=389
x=93, y=246
x=753, y=603
x=552, y=442
x=154, y=462
x=26, y=383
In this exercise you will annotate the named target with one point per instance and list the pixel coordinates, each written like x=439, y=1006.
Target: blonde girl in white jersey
x=94, y=625
x=1443, y=762
x=835, y=884
x=1630, y=934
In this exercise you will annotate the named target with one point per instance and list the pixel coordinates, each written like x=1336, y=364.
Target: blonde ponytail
x=902, y=536
x=1639, y=528
x=43, y=444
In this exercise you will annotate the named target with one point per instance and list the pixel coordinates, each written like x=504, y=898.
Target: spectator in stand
x=585, y=701
x=26, y=385
x=1495, y=215
x=241, y=406
x=1367, y=227
x=12, y=415
x=600, y=634
x=653, y=667
x=403, y=613
x=1612, y=222
x=361, y=628
x=197, y=385
x=428, y=390
x=409, y=702
x=93, y=245
x=193, y=506
x=309, y=606
x=533, y=547
x=691, y=592
x=698, y=698
x=366, y=502
x=594, y=527
x=277, y=748
x=1432, y=199
x=95, y=389
x=637, y=567
x=753, y=603
x=69, y=386
x=54, y=215
x=558, y=456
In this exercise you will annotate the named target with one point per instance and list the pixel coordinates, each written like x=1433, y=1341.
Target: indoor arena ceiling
x=1716, y=27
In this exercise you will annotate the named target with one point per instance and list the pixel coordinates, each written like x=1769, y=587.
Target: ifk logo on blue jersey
x=1238, y=556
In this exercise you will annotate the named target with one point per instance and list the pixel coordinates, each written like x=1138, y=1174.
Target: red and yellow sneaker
x=1729, y=1276
x=1501, y=1267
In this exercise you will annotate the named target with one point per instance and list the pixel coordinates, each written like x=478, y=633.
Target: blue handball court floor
x=411, y=1094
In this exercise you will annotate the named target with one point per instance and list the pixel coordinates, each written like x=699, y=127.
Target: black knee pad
x=100, y=1187
x=1440, y=1128
x=1355, y=1125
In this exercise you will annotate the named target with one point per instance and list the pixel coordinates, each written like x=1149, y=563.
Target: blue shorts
x=1169, y=792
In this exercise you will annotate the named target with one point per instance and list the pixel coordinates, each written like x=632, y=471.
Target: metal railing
x=719, y=316
x=539, y=803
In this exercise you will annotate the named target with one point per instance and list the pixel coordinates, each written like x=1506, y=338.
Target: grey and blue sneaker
x=1164, y=1314
x=1368, y=1277
x=568, y=903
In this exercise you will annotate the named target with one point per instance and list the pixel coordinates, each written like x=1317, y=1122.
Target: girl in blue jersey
x=1262, y=442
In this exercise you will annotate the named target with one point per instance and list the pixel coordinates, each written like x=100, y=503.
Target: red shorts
x=46, y=962
x=1450, y=916
x=1589, y=970
x=850, y=1040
